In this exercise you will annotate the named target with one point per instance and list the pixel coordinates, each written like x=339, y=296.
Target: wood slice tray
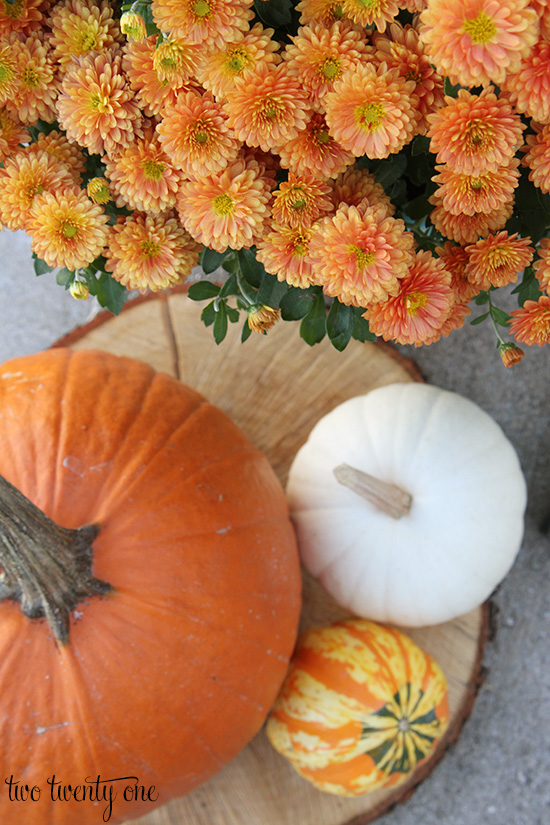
x=275, y=388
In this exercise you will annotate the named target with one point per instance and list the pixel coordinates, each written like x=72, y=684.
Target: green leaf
x=361, y=331
x=274, y=13
x=220, y=323
x=230, y=287
x=340, y=323
x=271, y=290
x=479, y=319
x=450, y=88
x=65, y=277
x=208, y=315
x=389, y=170
x=500, y=317
x=481, y=298
x=232, y=314
x=420, y=145
x=528, y=289
x=296, y=303
x=203, y=290
x=252, y=270
x=109, y=293
x=40, y=266
x=314, y=326
x=247, y=332
x=210, y=259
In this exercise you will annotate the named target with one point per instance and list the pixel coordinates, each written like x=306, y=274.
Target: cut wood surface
x=275, y=388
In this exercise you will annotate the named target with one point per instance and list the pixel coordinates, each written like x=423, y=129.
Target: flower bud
x=98, y=190
x=79, y=290
x=261, y=318
x=133, y=25
x=511, y=354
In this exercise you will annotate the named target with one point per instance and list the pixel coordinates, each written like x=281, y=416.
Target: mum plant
x=367, y=168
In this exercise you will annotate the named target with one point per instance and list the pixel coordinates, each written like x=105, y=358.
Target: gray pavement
x=499, y=770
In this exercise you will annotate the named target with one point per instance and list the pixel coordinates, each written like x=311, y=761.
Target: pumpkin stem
x=387, y=497
x=47, y=568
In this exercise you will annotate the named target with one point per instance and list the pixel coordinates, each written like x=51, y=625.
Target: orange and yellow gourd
x=362, y=705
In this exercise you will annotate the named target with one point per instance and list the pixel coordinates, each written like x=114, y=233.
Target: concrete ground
x=499, y=770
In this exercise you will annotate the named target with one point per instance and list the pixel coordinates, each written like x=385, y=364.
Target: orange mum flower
x=208, y=22
x=24, y=176
x=150, y=252
x=475, y=133
x=477, y=42
x=416, y=314
x=299, y=201
x=36, y=90
x=133, y=25
x=321, y=11
x=531, y=323
x=456, y=260
x=80, y=27
x=357, y=185
x=67, y=229
x=377, y=12
x=230, y=209
x=537, y=158
x=542, y=265
x=498, y=259
x=23, y=16
x=400, y=47
x=315, y=150
x=319, y=55
x=358, y=255
x=465, y=229
x=142, y=176
x=96, y=108
x=9, y=79
x=12, y=133
x=469, y=194
x=154, y=91
x=55, y=143
x=175, y=61
x=372, y=111
x=195, y=135
x=284, y=252
x=528, y=86
x=267, y=107
x=511, y=354
x=219, y=68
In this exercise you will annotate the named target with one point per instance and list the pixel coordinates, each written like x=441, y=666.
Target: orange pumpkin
x=361, y=707
x=164, y=644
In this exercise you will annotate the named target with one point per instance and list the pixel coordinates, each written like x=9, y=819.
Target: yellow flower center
x=330, y=69
x=100, y=103
x=236, y=60
x=154, y=169
x=6, y=72
x=88, y=40
x=30, y=77
x=14, y=10
x=201, y=8
x=501, y=256
x=415, y=301
x=35, y=189
x=338, y=12
x=323, y=137
x=476, y=183
x=477, y=132
x=369, y=116
x=363, y=257
x=481, y=28
x=200, y=137
x=150, y=248
x=223, y=205
x=68, y=230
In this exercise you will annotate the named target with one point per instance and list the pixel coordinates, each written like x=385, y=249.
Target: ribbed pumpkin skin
x=361, y=707
x=170, y=676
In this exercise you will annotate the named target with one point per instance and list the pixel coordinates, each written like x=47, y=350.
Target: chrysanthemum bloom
x=537, y=158
x=542, y=265
x=475, y=133
x=195, y=135
x=133, y=25
x=219, y=67
x=299, y=201
x=175, y=61
x=36, y=91
x=511, y=354
x=21, y=16
x=314, y=150
x=417, y=312
x=230, y=209
x=359, y=256
x=319, y=55
x=98, y=190
x=468, y=194
x=262, y=318
x=12, y=133
x=455, y=320
x=369, y=12
x=152, y=93
x=80, y=27
x=67, y=229
x=55, y=143
x=208, y=22
x=372, y=111
x=456, y=259
x=321, y=11
x=466, y=229
x=24, y=176
x=400, y=47
x=477, y=42
x=283, y=252
x=150, y=252
x=267, y=107
x=528, y=87
x=8, y=71
x=542, y=9
x=96, y=107
x=357, y=185
x=498, y=259
x=142, y=176
x=530, y=323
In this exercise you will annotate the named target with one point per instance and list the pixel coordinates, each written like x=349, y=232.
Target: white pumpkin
x=455, y=522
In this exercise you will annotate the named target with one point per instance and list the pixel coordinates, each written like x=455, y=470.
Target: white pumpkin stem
x=387, y=497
